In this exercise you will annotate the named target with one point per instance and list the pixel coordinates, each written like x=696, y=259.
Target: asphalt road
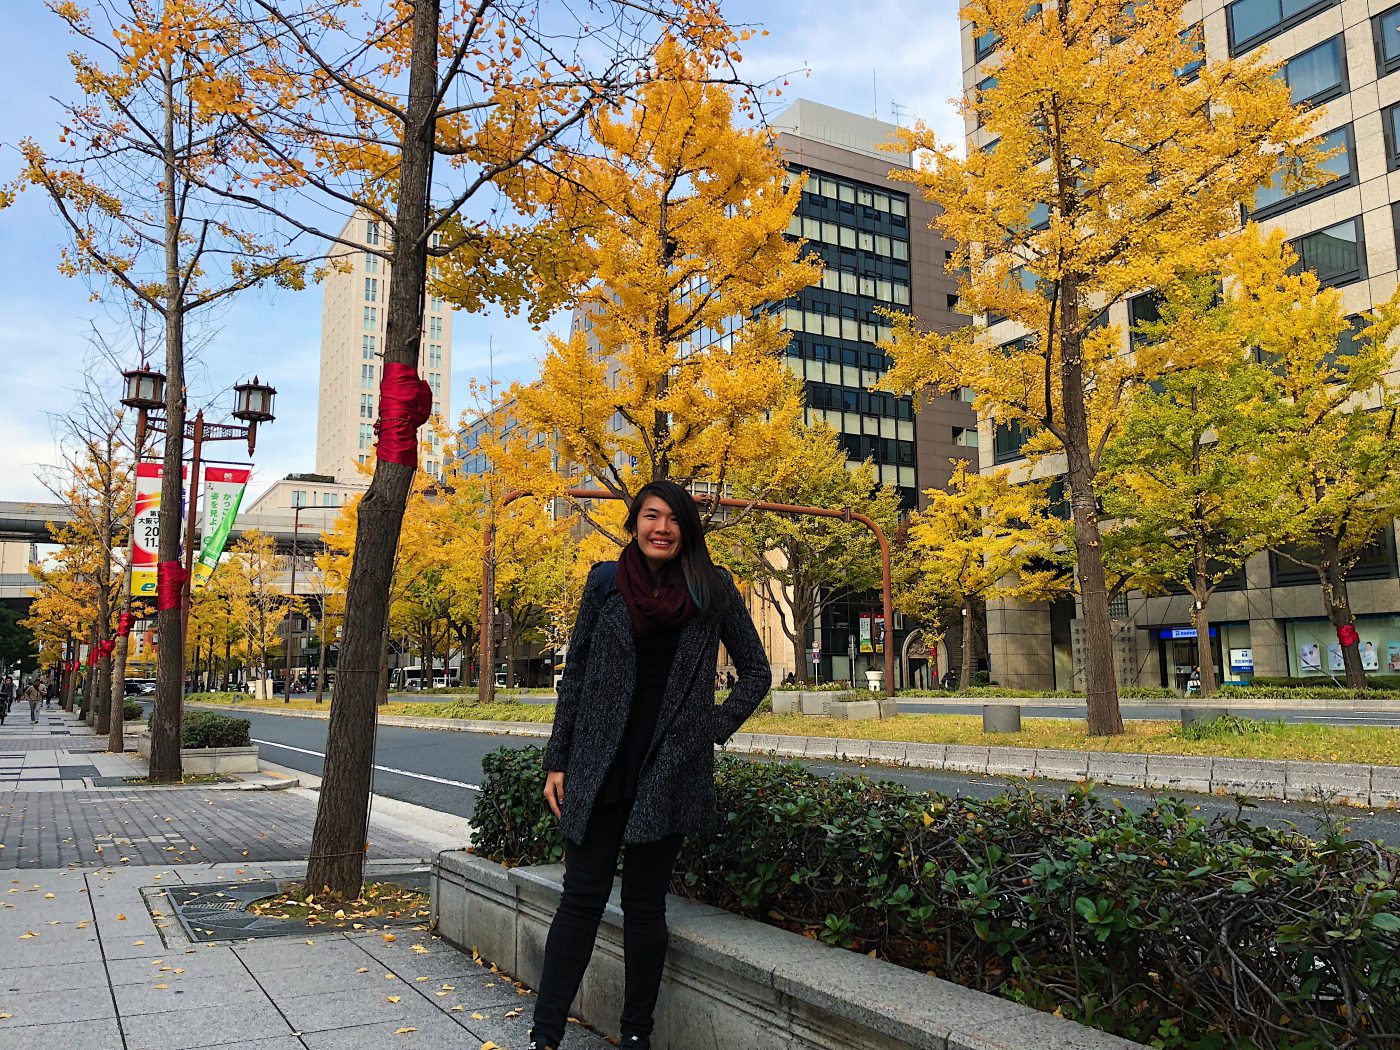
x=441, y=769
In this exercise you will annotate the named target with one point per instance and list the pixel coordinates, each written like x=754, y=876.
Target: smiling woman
x=634, y=733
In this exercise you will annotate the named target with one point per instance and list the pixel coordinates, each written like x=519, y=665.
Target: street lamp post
x=252, y=403
x=292, y=595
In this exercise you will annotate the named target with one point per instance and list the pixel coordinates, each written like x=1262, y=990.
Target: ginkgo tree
x=982, y=538
x=1320, y=413
x=676, y=371
x=438, y=120
x=1115, y=159
x=132, y=178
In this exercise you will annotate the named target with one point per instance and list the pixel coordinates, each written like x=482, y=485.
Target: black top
x=655, y=654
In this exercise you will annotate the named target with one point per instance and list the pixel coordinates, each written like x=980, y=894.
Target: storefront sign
x=1242, y=660
x=1176, y=633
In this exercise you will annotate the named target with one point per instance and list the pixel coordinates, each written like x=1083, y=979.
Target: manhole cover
x=222, y=912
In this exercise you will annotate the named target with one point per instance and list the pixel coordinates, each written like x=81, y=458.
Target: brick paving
x=176, y=825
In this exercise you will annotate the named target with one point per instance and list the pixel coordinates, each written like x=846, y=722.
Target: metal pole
x=486, y=679
x=190, y=511
x=291, y=611
x=845, y=514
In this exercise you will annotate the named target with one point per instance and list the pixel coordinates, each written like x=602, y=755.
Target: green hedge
x=1373, y=681
x=132, y=711
x=1160, y=927
x=211, y=729
x=1301, y=692
x=978, y=691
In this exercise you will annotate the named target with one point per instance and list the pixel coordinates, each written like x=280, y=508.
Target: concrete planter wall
x=205, y=760
x=731, y=981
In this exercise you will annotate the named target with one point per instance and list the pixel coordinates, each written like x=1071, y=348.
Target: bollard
x=1201, y=714
x=1001, y=718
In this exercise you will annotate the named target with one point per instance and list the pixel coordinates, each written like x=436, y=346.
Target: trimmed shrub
x=132, y=711
x=211, y=729
x=1373, y=681
x=1225, y=727
x=977, y=691
x=1160, y=926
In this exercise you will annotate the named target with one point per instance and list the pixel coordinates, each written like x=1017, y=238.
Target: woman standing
x=631, y=758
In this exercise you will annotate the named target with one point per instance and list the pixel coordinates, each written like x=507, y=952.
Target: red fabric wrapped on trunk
x=405, y=403
x=1346, y=634
x=170, y=581
x=125, y=622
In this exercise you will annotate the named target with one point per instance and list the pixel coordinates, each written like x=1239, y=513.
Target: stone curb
x=734, y=981
x=1375, y=787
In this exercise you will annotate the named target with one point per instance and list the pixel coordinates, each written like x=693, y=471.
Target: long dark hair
x=702, y=579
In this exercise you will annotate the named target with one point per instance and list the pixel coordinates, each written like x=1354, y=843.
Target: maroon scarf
x=653, y=607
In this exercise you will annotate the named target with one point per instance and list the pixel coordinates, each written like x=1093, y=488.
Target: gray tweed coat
x=676, y=791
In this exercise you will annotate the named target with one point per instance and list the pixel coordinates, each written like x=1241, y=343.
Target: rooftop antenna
x=898, y=110
x=874, y=95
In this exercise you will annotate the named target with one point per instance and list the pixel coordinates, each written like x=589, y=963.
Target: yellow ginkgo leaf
x=391, y=998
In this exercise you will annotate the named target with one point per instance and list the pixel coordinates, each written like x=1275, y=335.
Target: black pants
x=588, y=876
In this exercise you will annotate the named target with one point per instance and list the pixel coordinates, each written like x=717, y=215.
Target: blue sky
x=893, y=51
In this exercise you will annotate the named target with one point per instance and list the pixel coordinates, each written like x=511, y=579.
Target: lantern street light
x=252, y=403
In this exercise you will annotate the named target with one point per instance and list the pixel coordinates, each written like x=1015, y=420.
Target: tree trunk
x=321, y=661
x=1101, y=691
x=339, y=839
x=1205, y=660
x=968, y=647
x=1334, y=595
x=167, y=711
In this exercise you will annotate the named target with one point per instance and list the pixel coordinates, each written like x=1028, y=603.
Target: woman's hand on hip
x=554, y=791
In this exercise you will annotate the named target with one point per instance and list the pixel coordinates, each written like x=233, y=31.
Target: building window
x=367, y=377
x=367, y=347
x=366, y=406
x=1274, y=199
x=984, y=44
x=366, y=436
x=1348, y=343
x=371, y=317
x=1337, y=254
x=965, y=436
x=1251, y=22
x=1007, y=441
x=371, y=232
x=1385, y=28
x=371, y=289
x=371, y=263
x=1145, y=309
x=1317, y=74
x=1195, y=36
x=983, y=86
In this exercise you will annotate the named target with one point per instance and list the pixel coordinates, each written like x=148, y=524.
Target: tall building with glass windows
x=879, y=253
x=1340, y=57
x=354, y=307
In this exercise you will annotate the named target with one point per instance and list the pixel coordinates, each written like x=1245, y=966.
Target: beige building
x=1270, y=621
x=354, y=307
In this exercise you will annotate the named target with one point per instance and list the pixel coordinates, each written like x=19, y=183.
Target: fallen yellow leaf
x=162, y=986
x=390, y=938
x=478, y=1016
x=137, y=944
x=121, y=917
x=363, y=969
x=391, y=998
x=48, y=896
x=404, y=1031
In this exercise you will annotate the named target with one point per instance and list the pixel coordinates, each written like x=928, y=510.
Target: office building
x=1341, y=57
x=355, y=306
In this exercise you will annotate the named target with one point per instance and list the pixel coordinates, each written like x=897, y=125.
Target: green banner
x=223, y=492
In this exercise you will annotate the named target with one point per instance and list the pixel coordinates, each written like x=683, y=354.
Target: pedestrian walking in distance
x=631, y=758
x=31, y=697
x=7, y=697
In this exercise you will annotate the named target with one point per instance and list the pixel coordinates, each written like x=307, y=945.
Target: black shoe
x=536, y=1044
x=636, y=1042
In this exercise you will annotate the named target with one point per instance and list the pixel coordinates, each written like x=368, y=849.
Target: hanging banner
x=145, y=535
x=223, y=492
x=867, y=644
x=880, y=633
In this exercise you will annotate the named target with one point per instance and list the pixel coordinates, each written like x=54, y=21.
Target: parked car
x=139, y=687
x=450, y=681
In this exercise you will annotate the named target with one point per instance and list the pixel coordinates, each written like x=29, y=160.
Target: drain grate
x=222, y=911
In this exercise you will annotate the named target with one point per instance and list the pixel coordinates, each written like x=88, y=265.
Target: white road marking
x=386, y=769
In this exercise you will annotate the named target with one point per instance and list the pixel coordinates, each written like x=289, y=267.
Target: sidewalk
x=94, y=957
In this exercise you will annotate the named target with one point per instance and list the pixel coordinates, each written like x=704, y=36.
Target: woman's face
x=658, y=531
